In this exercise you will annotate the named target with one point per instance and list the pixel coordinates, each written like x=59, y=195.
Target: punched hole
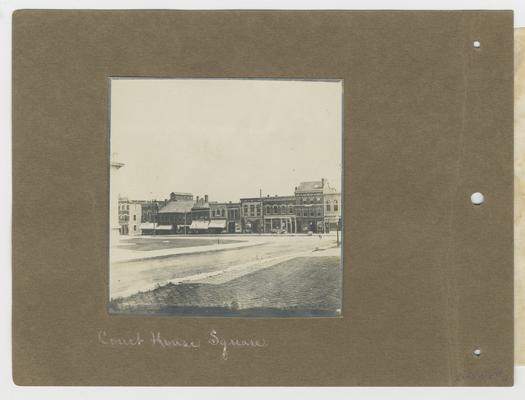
x=476, y=44
x=477, y=353
x=477, y=198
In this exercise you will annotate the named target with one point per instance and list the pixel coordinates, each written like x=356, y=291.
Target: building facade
x=314, y=207
x=309, y=207
x=130, y=213
x=114, y=204
x=234, y=217
x=200, y=215
x=252, y=220
x=317, y=207
x=332, y=211
x=150, y=209
x=279, y=214
x=176, y=215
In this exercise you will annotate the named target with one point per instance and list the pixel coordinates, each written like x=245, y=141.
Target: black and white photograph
x=226, y=197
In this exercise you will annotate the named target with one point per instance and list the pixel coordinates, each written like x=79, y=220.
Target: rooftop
x=279, y=198
x=310, y=186
x=316, y=186
x=178, y=206
x=182, y=193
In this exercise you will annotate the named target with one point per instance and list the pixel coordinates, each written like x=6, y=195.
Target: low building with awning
x=164, y=228
x=147, y=228
x=199, y=226
x=217, y=225
x=152, y=228
x=176, y=214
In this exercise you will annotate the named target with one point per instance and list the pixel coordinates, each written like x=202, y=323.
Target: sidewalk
x=119, y=255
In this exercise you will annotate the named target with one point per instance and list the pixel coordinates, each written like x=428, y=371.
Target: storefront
x=199, y=226
x=217, y=226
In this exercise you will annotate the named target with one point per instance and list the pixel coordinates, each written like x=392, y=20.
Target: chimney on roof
x=197, y=199
x=322, y=182
x=205, y=198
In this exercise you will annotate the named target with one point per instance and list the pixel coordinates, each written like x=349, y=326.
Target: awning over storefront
x=163, y=227
x=218, y=223
x=199, y=225
x=147, y=225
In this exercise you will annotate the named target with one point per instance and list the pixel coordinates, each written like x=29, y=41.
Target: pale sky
x=227, y=138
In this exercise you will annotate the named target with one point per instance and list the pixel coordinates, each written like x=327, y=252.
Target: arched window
x=275, y=210
x=336, y=206
x=328, y=205
x=290, y=209
x=268, y=210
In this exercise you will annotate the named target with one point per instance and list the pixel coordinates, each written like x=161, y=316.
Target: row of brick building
x=314, y=207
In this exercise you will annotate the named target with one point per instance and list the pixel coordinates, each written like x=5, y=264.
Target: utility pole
x=262, y=212
x=338, y=227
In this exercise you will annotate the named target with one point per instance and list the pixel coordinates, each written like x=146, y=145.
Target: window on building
x=275, y=210
x=328, y=207
x=245, y=210
x=305, y=212
x=134, y=217
x=290, y=209
x=252, y=209
x=127, y=207
x=336, y=206
x=268, y=210
x=319, y=212
x=134, y=227
x=258, y=209
x=311, y=212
